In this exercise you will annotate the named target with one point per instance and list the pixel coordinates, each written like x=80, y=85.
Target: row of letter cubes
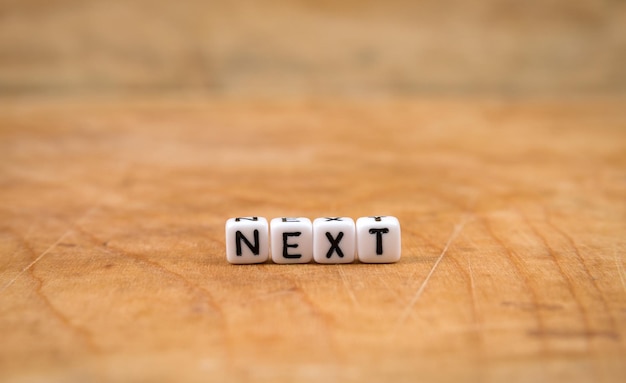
x=326, y=240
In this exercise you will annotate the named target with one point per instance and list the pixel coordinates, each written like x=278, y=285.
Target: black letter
x=379, y=239
x=333, y=219
x=246, y=218
x=255, y=248
x=285, y=245
x=334, y=245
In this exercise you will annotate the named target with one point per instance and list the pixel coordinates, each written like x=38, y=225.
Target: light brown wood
x=319, y=47
x=112, y=263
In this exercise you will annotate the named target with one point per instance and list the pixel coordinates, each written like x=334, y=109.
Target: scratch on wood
x=28, y=232
x=566, y=277
x=323, y=318
x=620, y=269
x=373, y=271
x=420, y=290
x=82, y=333
x=581, y=259
x=50, y=248
x=475, y=312
x=347, y=286
x=518, y=265
x=473, y=292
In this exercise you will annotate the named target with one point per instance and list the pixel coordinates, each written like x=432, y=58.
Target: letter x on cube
x=334, y=240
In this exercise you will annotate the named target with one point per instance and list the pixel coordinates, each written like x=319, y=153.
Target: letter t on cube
x=378, y=239
x=247, y=240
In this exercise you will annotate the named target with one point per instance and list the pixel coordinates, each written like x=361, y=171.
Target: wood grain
x=112, y=263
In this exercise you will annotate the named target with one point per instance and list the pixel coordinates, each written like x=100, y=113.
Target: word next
x=325, y=240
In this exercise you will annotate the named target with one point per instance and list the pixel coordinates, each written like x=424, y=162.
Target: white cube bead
x=334, y=240
x=292, y=240
x=378, y=239
x=247, y=240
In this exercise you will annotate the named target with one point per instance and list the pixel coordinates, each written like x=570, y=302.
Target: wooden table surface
x=112, y=256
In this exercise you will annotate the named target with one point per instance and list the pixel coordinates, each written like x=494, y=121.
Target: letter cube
x=247, y=240
x=378, y=239
x=334, y=240
x=292, y=240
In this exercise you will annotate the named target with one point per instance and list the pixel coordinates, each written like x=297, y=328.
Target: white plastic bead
x=247, y=240
x=292, y=240
x=378, y=239
x=334, y=240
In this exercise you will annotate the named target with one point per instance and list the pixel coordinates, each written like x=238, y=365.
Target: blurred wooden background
x=131, y=130
x=313, y=47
